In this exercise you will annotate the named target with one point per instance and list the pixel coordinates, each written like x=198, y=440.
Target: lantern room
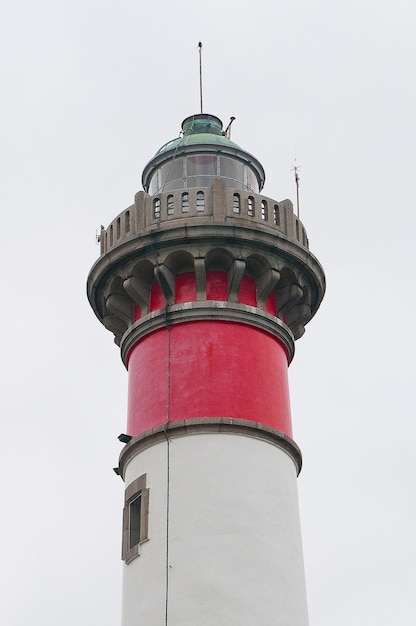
x=203, y=152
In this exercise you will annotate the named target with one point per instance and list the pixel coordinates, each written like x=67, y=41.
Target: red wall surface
x=217, y=289
x=217, y=369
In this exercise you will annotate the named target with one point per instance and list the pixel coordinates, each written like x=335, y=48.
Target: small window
x=200, y=201
x=276, y=215
x=297, y=230
x=118, y=228
x=134, y=521
x=185, y=202
x=127, y=221
x=156, y=208
x=111, y=235
x=171, y=205
x=135, y=518
x=250, y=210
x=236, y=203
x=264, y=215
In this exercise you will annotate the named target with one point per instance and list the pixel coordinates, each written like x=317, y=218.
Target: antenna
x=295, y=169
x=227, y=132
x=200, y=72
x=98, y=234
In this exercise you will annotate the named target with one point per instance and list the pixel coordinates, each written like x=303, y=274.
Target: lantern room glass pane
x=232, y=170
x=252, y=182
x=201, y=165
x=198, y=170
x=167, y=177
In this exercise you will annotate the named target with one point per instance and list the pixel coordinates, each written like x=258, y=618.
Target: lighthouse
x=206, y=284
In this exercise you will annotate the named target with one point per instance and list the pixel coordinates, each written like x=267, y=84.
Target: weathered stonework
x=265, y=241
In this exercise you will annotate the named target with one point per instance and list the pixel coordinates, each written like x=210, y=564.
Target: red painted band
x=217, y=369
x=216, y=289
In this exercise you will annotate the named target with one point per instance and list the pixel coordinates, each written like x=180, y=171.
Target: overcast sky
x=90, y=91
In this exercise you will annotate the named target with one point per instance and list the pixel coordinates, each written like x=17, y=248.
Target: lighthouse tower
x=206, y=284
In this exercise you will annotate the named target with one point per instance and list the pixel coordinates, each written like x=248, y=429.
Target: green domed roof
x=200, y=129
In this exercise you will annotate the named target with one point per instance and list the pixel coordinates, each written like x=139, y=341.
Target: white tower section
x=224, y=543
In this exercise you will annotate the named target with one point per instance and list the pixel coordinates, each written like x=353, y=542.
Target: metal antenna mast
x=200, y=72
x=295, y=169
x=227, y=132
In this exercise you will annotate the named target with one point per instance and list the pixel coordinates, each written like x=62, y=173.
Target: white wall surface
x=234, y=549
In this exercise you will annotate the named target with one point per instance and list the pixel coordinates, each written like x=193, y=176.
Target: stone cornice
x=267, y=243
x=199, y=231
x=208, y=310
x=209, y=425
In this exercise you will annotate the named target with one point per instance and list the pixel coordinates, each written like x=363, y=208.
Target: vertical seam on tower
x=167, y=472
x=167, y=477
x=165, y=430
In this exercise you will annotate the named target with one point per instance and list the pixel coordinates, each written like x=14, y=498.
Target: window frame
x=251, y=207
x=236, y=203
x=136, y=489
x=156, y=208
x=264, y=210
x=200, y=201
x=170, y=204
x=185, y=202
x=276, y=215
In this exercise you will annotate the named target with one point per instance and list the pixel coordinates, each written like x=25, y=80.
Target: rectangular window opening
x=250, y=210
x=200, y=201
x=236, y=203
x=135, y=518
x=135, y=507
x=171, y=205
x=276, y=215
x=185, y=202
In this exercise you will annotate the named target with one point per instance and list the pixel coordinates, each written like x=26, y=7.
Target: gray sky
x=90, y=91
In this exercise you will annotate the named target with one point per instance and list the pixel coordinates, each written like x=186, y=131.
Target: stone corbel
x=235, y=275
x=287, y=298
x=116, y=325
x=201, y=279
x=298, y=313
x=266, y=283
x=166, y=279
x=138, y=290
x=121, y=306
x=297, y=329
